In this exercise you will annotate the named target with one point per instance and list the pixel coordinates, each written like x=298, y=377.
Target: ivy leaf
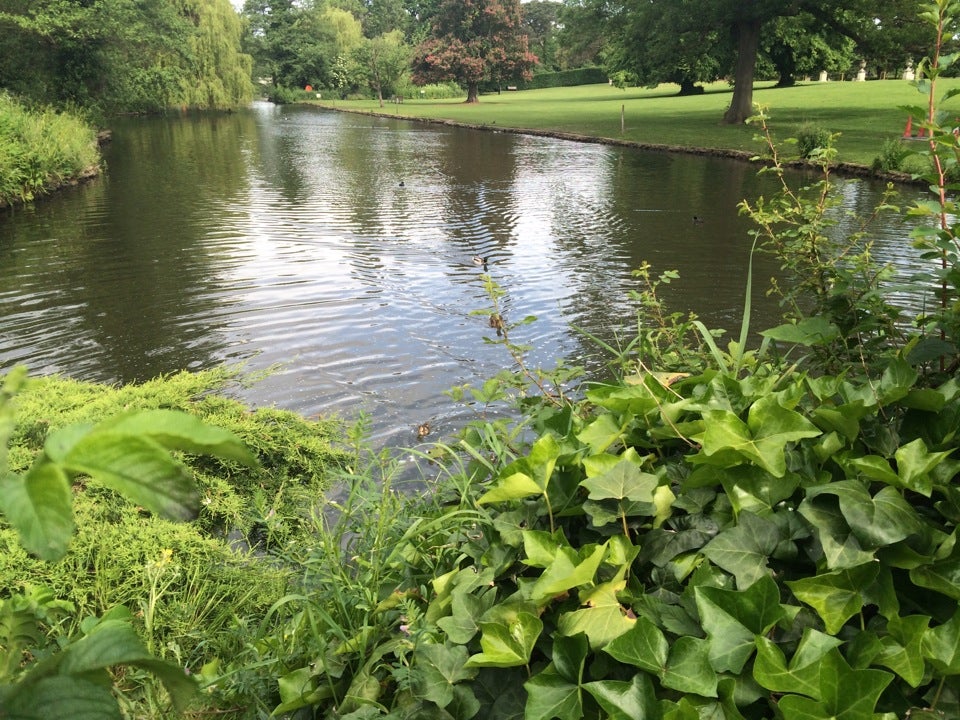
x=507, y=643
x=734, y=619
x=762, y=440
x=688, y=667
x=802, y=676
x=461, y=625
x=902, y=649
x=569, y=655
x=551, y=696
x=845, y=694
x=914, y=463
x=942, y=577
x=622, y=700
x=527, y=476
x=631, y=491
x=439, y=669
x=39, y=506
x=601, y=433
x=836, y=596
x=643, y=646
x=743, y=549
x=941, y=646
x=841, y=548
x=603, y=619
x=877, y=521
x=566, y=572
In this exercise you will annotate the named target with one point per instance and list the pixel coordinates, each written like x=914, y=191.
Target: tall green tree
x=383, y=60
x=472, y=41
x=667, y=42
x=541, y=19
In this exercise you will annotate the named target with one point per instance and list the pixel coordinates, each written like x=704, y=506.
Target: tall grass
x=41, y=149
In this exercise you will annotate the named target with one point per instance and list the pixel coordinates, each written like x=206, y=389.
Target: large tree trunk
x=473, y=92
x=748, y=40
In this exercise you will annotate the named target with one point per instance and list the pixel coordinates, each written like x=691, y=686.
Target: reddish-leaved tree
x=472, y=41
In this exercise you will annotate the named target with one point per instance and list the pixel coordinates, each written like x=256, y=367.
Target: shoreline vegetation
x=864, y=115
x=43, y=150
x=729, y=528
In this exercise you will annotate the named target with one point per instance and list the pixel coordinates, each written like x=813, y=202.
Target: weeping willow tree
x=217, y=74
x=124, y=55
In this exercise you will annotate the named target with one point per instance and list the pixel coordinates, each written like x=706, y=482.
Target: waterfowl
x=697, y=220
x=402, y=184
x=496, y=322
x=423, y=429
x=477, y=260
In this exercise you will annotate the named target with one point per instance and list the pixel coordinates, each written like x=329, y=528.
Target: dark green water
x=283, y=237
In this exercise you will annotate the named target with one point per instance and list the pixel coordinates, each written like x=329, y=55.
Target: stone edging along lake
x=843, y=168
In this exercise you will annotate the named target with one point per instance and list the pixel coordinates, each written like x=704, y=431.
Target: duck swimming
x=697, y=220
x=477, y=260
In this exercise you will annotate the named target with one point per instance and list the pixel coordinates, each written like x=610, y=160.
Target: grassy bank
x=41, y=150
x=865, y=114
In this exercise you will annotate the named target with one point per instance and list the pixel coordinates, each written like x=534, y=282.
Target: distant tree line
x=144, y=55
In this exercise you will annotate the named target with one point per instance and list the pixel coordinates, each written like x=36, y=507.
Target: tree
x=540, y=22
x=124, y=55
x=666, y=42
x=474, y=40
x=384, y=60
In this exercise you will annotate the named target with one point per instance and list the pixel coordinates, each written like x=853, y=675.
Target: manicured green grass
x=865, y=113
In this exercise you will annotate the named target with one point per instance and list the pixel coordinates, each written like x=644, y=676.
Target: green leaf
x=622, y=491
x=566, y=572
x=551, y=696
x=138, y=468
x=689, y=669
x=512, y=487
x=734, y=619
x=836, y=596
x=914, y=463
x=845, y=694
x=507, y=644
x=461, y=625
x=763, y=439
x=941, y=646
x=942, y=577
x=807, y=332
x=527, y=476
x=803, y=674
x=63, y=696
x=643, y=646
x=622, y=700
x=39, y=506
x=897, y=380
x=743, y=549
x=177, y=430
x=439, y=669
x=603, y=619
x=902, y=648
x=841, y=548
x=601, y=433
x=877, y=521
x=569, y=655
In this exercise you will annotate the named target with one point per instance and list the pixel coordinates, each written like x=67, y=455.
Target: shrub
x=812, y=137
x=892, y=156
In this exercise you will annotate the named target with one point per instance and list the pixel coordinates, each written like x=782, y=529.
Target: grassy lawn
x=865, y=113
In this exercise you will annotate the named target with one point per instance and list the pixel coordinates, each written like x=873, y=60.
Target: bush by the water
x=40, y=149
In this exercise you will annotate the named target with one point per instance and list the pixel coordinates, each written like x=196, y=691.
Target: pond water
x=339, y=249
